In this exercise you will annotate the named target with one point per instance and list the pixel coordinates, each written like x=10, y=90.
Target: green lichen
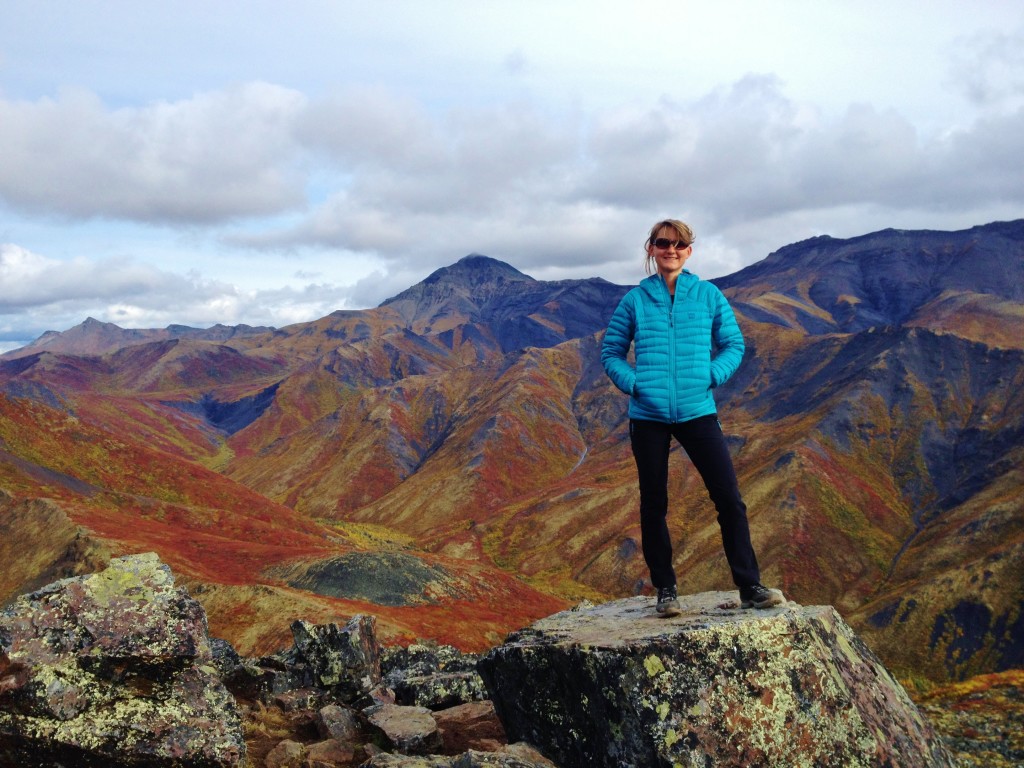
x=109, y=687
x=653, y=665
x=123, y=581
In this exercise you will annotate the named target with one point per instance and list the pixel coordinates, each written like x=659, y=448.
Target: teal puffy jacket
x=674, y=372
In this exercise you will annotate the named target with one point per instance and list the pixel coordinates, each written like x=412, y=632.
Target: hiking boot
x=757, y=596
x=668, y=603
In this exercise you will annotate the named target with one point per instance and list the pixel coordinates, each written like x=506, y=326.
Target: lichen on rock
x=613, y=685
x=112, y=669
x=432, y=676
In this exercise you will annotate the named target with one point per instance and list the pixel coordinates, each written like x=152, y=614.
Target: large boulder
x=113, y=669
x=613, y=685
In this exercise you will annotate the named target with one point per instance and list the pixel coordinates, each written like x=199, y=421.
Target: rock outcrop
x=613, y=685
x=432, y=676
x=422, y=702
x=342, y=660
x=113, y=669
x=117, y=669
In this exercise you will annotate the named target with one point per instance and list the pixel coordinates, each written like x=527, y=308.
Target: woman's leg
x=704, y=443
x=650, y=441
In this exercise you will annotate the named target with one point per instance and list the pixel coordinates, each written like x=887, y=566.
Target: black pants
x=704, y=443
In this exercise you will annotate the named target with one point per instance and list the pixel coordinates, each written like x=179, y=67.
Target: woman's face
x=670, y=260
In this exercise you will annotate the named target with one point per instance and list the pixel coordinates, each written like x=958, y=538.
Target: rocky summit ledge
x=616, y=685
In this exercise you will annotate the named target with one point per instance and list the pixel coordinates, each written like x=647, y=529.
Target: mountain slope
x=889, y=278
x=876, y=424
x=243, y=555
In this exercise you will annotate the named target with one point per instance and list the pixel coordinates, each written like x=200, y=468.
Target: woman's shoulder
x=704, y=288
x=650, y=286
x=638, y=292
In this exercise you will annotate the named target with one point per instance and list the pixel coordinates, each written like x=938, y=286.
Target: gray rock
x=287, y=754
x=336, y=722
x=267, y=677
x=410, y=730
x=225, y=657
x=388, y=760
x=344, y=660
x=433, y=676
x=113, y=669
x=326, y=663
x=512, y=756
x=789, y=686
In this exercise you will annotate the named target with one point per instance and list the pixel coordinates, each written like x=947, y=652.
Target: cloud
x=40, y=287
x=747, y=152
x=407, y=181
x=516, y=63
x=988, y=67
x=370, y=171
x=214, y=157
x=379, y=180
x=569, y=188
x=43, y=294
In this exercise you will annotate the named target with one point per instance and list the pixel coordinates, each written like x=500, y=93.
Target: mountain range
x=456, y=462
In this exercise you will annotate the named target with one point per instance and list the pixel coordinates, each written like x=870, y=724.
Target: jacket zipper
x=672, y=406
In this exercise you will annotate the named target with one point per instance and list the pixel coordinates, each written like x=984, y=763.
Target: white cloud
x=43, y=294
x=210, y=158
x=511, y=179
x=548, y=191
x=39, y=287
x=988, y=67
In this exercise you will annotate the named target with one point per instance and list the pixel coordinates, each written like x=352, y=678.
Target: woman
x=672, y=318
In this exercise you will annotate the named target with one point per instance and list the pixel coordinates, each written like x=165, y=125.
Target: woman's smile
x=669, y=254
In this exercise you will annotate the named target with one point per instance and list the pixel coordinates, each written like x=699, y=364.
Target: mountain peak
x=92, y=322
x=477, y=269
x=460, y=289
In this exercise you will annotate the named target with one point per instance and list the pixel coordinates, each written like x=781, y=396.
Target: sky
x=267, y=163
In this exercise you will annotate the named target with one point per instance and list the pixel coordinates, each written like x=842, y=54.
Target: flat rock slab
x=614, y=684
x=410, y=730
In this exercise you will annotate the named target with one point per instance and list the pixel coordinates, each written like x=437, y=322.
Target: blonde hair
x=680, y=228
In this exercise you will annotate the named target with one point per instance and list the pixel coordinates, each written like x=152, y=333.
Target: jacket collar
x=655, y=286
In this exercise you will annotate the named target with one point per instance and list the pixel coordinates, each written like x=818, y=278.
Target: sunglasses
x=664, y=243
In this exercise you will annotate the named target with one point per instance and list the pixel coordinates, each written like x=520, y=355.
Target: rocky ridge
x=116, y=669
